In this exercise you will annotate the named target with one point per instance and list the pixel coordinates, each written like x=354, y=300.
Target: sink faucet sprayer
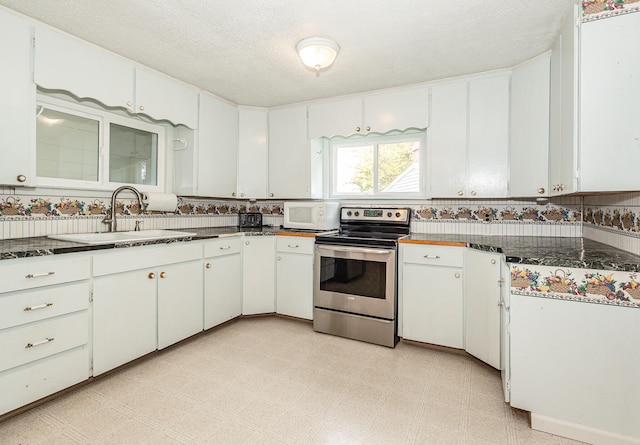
x=110, y=219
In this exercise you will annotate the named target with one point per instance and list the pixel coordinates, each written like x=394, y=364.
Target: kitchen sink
x=120, y=237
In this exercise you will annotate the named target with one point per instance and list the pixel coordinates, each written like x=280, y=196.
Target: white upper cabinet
x=375, y=113
x=17, y=114
x=610, y=104
x=252, y=153
x=468, y=139
x=217, y=159
x=295, y=170
x=529, y=146
x=86, y=71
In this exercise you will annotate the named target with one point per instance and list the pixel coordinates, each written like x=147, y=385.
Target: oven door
x=358, y=280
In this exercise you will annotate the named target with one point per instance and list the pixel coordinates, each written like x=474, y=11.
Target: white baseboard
x=580, y=432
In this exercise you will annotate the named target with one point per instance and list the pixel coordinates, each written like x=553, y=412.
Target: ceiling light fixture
x=317, y=53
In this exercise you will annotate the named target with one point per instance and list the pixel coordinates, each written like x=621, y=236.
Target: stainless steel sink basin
x=121, y=237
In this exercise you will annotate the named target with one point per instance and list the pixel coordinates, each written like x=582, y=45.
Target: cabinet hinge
x=90, y=296
x=33, y=42
x=91, y=365
x=508, y=385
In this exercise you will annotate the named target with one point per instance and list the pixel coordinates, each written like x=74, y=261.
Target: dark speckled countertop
x=549, y=251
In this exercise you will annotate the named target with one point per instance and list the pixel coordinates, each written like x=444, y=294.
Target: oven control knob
x=397, y=214
x=389, y=214
x=349, y=213
x=357, y=213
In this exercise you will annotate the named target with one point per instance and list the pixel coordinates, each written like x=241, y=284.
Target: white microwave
x=310, y=215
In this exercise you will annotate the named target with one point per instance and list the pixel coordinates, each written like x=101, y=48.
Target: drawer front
x=433, y=255
x=295, y=244
x=134, y=258
x=26, y=307
x=26, y=384
x=27, y=273
x=223, y=246
x=27, y=343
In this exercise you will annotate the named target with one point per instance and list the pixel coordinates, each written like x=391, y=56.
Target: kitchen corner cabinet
x=17, y=114
x=294, y=276
x=258, y=275
x=469, y=138
x=132, y=304
x=482, y=301
x=529, y=142
x=222, y=280
x=610, y=104
x=44, y=327
x=374, y=113
x=65, y=63
x=432, y=294
x=295, y=168
x=252, y=153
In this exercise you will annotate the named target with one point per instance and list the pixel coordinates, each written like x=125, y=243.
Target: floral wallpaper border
x=620, y=219
x=598, y=6
x=591, y=286
x=490, y=213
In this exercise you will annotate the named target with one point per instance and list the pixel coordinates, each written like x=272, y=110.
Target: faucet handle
x=138, y=222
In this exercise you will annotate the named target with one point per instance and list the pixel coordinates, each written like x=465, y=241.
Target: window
x=78, y=146
x=383, y=166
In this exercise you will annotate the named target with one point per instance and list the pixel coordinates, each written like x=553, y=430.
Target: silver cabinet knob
x=141, y=108
x=129, y=104
x=21, y=178
x=271, y=194
x=493, y=261
x=357, y=129
x=457, y=275
x=368, y=128
x=241, y=195
x=460, y=193
x=473, y=193
x=246, y=242
x=279, y=258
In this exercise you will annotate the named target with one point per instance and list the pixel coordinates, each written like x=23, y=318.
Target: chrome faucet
x=110, y=219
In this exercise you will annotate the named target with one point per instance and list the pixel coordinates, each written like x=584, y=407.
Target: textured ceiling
x=244, y=50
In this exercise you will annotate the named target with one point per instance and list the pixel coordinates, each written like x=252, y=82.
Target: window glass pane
x=67, y=146
x=354, y=169
x=133, y=155
x=399, y=167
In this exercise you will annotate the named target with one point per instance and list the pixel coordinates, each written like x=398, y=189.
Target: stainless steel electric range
x=355, y=275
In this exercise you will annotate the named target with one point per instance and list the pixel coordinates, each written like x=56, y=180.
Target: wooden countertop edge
x=433, y=243
x=307, y=235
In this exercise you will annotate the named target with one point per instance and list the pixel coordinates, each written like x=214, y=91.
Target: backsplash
x=613, y=220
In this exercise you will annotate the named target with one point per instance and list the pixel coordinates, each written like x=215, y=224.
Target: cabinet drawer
x=144, y=257
x=295, y=244
x=30, y=342
x=30, y=306
x=433, y=255
x=27, y=273
x=224, y=246
x=32, y=382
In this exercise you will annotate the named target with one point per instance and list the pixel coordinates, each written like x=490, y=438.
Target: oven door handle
x=361, y=250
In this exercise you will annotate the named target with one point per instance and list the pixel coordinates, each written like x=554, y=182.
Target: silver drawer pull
x=41, y=342
x=40, y=306
x=38, y=275
x=227, y=247
x=432, y=257
x=293, y=246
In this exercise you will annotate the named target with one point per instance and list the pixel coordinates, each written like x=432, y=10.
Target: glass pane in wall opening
x=133, y=155
x=399, y=167
x=67, y=146
x=354, y=169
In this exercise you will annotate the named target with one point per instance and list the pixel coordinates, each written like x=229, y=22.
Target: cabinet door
x=65, y=63
x=180, y=312
x=258, y=275
x=289, y=154
x=396, y=110
x=529, y=147
x=124, y=318
x=447, y=140
x=482, y=309
x=163, y=98
x=222, y=289
x=610, y=116
x=217, y=162
x=337, y=118
x=252, y=153
x=17, y=113
x=432, y=304
x=488, y=149
x=294, y=285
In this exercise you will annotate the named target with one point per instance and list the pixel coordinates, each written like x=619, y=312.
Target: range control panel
x=395, y=215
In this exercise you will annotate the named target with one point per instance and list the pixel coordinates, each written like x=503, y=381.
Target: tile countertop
x=578, y=253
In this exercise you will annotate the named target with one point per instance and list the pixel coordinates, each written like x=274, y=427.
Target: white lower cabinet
x=258, y=275
x=482, y=305
x=294, y=276
x=222, y=280
x=432, y=294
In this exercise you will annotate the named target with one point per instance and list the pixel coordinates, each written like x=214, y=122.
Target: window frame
x=375, y=140
x=105, y=118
